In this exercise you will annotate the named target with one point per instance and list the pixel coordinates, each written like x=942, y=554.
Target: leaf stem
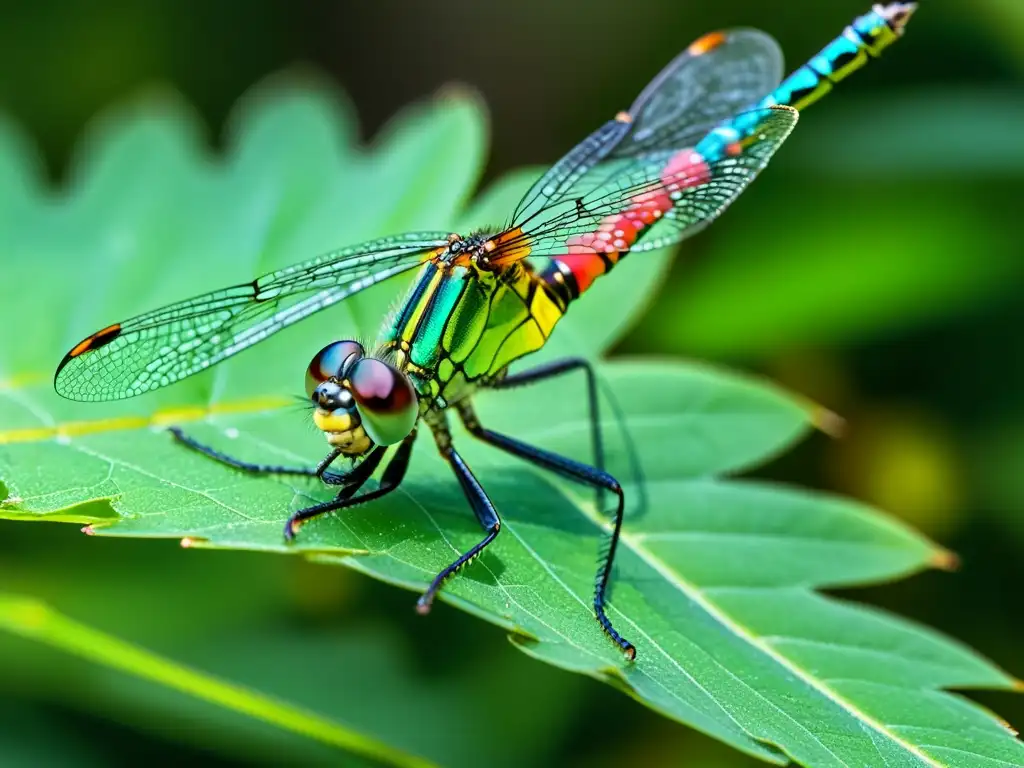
x=33, y=619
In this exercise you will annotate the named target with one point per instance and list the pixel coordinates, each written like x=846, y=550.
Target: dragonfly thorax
x=359, y=401
x=471, y=248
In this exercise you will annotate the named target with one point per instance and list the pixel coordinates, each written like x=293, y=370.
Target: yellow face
x=342, y=430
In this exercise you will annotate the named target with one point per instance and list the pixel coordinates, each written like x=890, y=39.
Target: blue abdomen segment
x=864, y=39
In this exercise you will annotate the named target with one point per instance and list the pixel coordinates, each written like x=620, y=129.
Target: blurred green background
x=876, y=267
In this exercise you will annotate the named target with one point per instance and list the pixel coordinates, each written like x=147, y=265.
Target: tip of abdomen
x=896, y=14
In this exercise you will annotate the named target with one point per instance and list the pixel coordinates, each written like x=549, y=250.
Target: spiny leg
x=581, y=473
x=393, y=475
x=482, y=506
x=552, y=370
x=320, y=470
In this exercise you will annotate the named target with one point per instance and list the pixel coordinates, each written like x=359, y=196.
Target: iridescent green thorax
x=461, y=324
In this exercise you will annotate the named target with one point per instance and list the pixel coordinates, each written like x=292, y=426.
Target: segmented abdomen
x=865, y=38
x=590, y=255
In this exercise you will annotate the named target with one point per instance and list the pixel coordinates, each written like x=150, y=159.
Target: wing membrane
x=717, y=76
x=166, y=345
x=623, y=165
x=687, y=199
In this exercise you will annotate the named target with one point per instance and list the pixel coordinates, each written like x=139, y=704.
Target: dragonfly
x=653, y=175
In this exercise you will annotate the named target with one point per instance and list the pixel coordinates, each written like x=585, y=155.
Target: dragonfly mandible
x=656, y=173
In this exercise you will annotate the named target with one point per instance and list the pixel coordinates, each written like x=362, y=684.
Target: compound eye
x=331, y=362
x=385, y=399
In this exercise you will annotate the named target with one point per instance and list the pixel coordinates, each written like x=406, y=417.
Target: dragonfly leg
x=557, y=368
x=393, y=475
x=581, y=473
x=482, y=506
x=320, y=470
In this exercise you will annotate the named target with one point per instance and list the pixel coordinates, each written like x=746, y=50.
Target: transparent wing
x=161, y=347
x=653, y=200
x=719, y=75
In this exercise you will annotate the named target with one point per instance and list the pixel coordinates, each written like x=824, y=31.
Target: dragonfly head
x=360, y=401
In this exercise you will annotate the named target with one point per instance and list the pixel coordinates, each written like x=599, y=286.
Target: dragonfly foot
x=627, y=648
x=291, y=527
x=424, y=604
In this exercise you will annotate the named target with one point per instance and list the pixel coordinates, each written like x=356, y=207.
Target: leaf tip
x=458, y=92
x=522, y=638
x=829, y=422
x=1019, y=685
x=616, y=677
x=945, y=560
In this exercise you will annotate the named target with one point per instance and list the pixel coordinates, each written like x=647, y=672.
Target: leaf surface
x=34, y=620
x=715, y=581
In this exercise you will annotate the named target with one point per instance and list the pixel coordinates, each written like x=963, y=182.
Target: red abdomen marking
x=592, y=254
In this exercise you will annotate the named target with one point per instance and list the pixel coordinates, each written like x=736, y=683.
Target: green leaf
x=225, y=614
x=34, y=620
x=715, y=578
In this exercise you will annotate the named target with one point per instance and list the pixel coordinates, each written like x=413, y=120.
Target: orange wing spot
x=97, y=340
x=707, y=43
x=509, y=247
x=624, y=117
x=734, y=149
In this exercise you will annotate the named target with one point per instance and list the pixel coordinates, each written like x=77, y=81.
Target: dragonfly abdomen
x=591, y=254
x=864, y=39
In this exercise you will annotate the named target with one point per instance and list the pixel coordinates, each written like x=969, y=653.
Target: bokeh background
x=877, y=268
